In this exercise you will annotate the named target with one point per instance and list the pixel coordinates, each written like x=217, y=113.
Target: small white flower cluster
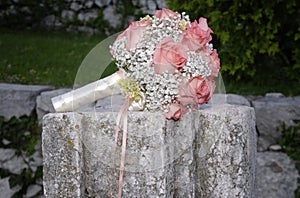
x=159, y=89
x=196, y=66
x=121, y=55
x=162, y=28
x=137, y=63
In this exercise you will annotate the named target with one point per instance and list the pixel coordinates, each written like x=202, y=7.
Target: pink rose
x=175, y=111
x=214, y=64
x=133, y=33
x=197, y=90
x=165, y=13
x=186, y=95
x=169, y=56
x=197, y=35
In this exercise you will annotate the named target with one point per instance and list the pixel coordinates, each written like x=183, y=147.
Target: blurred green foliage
x=22, y=135
x=290, y=142
x=255, y=39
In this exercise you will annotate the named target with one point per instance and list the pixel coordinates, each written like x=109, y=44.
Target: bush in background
x=255, y=38
x=64, y=15
x=24, y=14
x=257, y=41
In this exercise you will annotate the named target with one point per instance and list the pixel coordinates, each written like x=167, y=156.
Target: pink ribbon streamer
x=122, y=116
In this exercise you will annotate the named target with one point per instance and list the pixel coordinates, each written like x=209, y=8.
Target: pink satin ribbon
x=122, y=117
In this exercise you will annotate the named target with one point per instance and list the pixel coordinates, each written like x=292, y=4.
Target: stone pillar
x=62, y=155
x=227, y=168
x=209, y=153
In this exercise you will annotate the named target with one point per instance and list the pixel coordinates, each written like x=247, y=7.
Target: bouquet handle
x=87, y=94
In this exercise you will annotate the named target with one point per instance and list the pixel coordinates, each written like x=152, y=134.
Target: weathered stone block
x=44, y=104
x=5, y=189
x=227, y=167
x=235, y=99
x=209, y=153
x=62, y=156
x=87, y=16
x=67, y=14
x=110, y=15
x=75, y=6
x=271, y=112
x=17, y=100
x=101, y=3
x=276, y=175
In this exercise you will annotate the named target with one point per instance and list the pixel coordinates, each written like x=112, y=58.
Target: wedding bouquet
x=168, y=63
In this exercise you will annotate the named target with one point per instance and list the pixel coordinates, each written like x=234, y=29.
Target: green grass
x=42, y=58
x=51, y=58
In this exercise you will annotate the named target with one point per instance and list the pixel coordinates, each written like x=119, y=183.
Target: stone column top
x=207, y=153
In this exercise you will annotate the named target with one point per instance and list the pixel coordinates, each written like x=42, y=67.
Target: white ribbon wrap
x=88, y=94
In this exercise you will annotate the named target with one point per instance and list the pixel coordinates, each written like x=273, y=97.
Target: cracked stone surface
x=271, y=112
x=209, y=153
x=17, y=100
x=276, y=175
x=5, y=190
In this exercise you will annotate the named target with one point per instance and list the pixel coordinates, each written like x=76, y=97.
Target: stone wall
x=88, y=16
x=276, y=173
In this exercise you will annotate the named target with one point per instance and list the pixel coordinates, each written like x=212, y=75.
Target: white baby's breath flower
x=196, y=66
